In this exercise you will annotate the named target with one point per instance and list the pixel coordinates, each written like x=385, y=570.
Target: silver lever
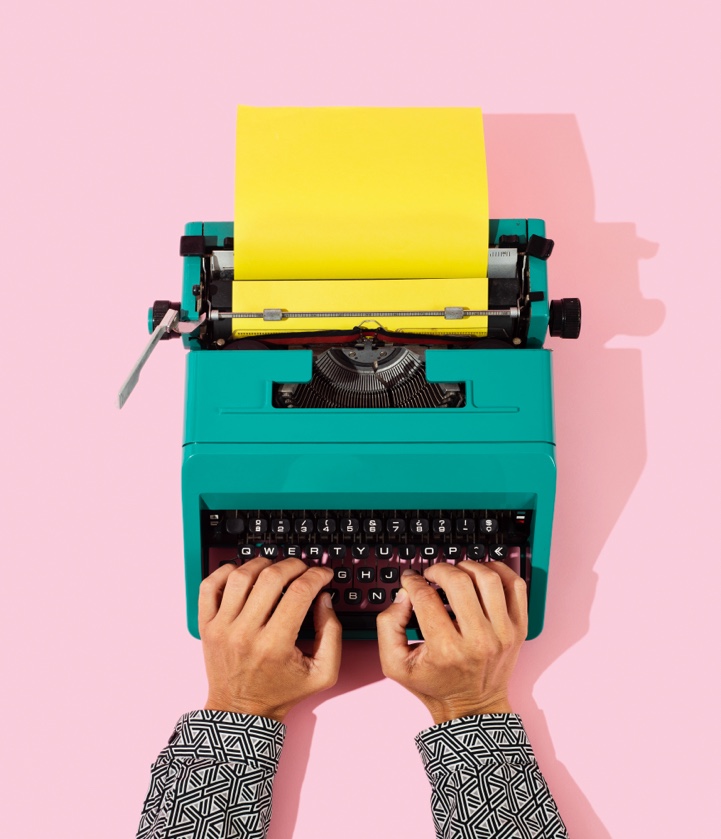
x=169, y=322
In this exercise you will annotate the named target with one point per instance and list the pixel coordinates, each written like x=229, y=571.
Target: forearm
x=485, y=780
x=217, y=770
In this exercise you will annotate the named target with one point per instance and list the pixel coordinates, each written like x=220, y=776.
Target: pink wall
x=118, y=128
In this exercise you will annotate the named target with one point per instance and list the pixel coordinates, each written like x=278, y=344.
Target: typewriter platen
x=367, y=383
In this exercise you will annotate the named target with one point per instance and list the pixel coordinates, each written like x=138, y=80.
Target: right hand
x=464, y=666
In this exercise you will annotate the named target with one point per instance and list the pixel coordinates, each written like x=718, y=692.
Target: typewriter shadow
x=538, y=168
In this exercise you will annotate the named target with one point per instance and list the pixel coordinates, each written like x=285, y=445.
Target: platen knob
x=157, y=312
x=565, y=318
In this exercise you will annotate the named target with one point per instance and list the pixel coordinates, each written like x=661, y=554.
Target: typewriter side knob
x=157, y=312
x=565, y=318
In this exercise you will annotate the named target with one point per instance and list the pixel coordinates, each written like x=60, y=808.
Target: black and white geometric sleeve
x=214, y=779
x=486, y=782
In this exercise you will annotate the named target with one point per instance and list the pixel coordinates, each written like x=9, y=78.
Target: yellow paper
x=349, y=194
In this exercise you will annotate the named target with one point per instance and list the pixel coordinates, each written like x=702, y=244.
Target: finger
x=285, y=623
x=328, y=637
x=433, y=618
x=211, y=593
x=462, y=596
x=393, y=646
x=490, y=593
x=238, y=586
x=267, y=591
x=516, y=593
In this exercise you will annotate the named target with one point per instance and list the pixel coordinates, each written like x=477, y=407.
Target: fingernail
x=402, y=596
x=326, y=601
x=409, y=571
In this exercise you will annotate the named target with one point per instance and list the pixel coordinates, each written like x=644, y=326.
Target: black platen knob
x=159, y=311
x=565, y=318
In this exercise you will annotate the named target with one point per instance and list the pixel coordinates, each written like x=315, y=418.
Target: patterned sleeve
x=486, y=782
x=214, y=779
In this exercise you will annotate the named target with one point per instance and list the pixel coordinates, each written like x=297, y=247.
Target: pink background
x=119, y=128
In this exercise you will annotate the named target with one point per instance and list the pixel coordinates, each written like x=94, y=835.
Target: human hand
x=463, y=667
x=252, y=662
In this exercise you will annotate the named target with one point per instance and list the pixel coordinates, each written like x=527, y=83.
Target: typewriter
x=329, y=436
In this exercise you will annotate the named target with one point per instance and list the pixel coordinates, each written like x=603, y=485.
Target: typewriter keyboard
x=367, y=550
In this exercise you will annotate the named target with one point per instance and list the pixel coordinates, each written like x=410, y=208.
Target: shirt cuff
x=473, y=741
x=225, y=737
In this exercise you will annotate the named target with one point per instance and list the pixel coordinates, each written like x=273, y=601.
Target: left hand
x=252, y=661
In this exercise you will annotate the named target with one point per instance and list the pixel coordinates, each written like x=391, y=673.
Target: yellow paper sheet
x=348, y=194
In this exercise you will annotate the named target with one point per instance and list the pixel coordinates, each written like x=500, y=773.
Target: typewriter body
x=367, y=450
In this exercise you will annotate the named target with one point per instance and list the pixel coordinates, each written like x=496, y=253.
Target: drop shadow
x=537, y=168
x=360, y=666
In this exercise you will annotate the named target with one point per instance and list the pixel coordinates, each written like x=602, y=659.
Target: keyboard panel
x=367, y=550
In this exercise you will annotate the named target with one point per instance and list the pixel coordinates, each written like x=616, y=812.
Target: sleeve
x=486, y=782
x=214, y=778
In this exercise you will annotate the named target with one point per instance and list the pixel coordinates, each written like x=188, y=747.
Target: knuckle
x=303, y=587
x=272, y=575
x=520, y=587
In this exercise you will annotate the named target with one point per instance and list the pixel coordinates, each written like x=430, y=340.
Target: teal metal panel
x=382, y=476
x=508, y=396
x=539, y=282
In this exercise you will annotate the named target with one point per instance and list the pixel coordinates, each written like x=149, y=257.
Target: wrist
x=444, y=712
x=255, y=709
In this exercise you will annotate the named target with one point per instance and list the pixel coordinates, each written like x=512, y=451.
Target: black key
x=281, y=527
x=489, y=526
x=476, y=551
x=395, y=526
x=443, y=596
x=419, y=526
x=325, y=526
x=365, y=573
x=465, y=526
x=349, y=527
x=247, y=551
x=314, y=552
x=353, y=595
x=343, y=574
x=333, y=594
x=360, y=551
x=441, y=526
x=269, y=551
x=234, y=526
x=377, y=595
x=384, y=551
x=407, y=551
x=388, y=574
x=372, y=526
x=294, y=551
x=337, y=551
x=454, y=552
x=303, y=526
x=258, y=526
x=429, y=552
x=498, y=552
x=394, y=592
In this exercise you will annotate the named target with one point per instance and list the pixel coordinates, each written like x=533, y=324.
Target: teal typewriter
x=318, y=428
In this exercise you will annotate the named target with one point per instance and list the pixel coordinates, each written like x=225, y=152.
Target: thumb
x=328, y=635
x=392, y=641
